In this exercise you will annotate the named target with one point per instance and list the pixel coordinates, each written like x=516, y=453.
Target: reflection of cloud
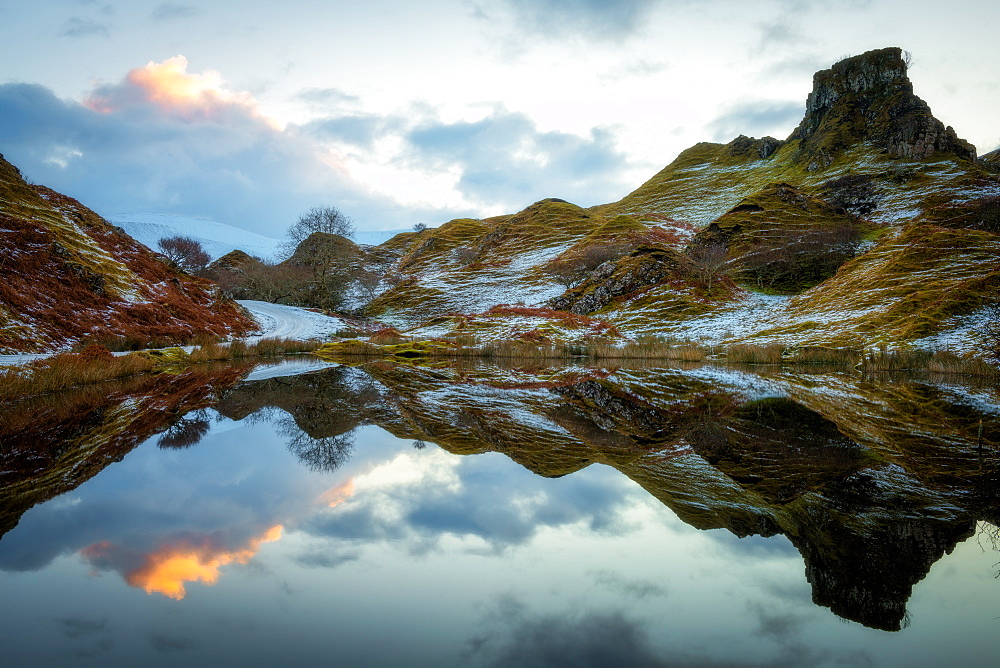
x=166, y=569
x=423, y=495
x=164, y=643
x=638, y=589
x=92, y=636
x=326, y=559
x=74, y=627
x=337, y=495
x=514, y=635
x=759, y=546
x=518, y=637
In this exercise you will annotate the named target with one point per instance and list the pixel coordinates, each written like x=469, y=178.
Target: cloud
x=505, y=159
x=595, y=19
x=756, y=118
x=327, y=96
x=168, y=140
x=83, y=27
x=171, y=11
x=361, y=130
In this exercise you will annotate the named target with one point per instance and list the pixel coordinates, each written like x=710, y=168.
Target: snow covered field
x=276, y=321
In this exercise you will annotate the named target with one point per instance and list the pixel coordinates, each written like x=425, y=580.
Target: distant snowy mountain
x=376, y=237
x=218, y=238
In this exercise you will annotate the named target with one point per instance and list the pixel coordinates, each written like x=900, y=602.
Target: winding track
x=276, y=321
x=289, y=322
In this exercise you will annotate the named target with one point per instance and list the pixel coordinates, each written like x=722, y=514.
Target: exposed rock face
x=644, y=268
x=870, y=98
x=991, y=159
x=755, y=148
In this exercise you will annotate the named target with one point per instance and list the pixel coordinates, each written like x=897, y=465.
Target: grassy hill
x=873, y=223
x=69, y=275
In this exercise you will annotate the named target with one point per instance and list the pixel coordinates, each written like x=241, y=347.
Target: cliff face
x=69, y=275
x=870, y=98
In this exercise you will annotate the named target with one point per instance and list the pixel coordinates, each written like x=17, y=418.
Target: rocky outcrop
x=870, y=98
x=643, y=269
x=744, y=146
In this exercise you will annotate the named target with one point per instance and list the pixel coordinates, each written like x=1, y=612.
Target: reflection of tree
x=326, y=453
x=185, y=432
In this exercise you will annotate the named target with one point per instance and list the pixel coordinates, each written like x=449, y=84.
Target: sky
x=400, y=112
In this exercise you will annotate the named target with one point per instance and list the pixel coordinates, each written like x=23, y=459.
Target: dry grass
x=819, y=355
x=95, y=364
x=129, y=343
x=657, y=348
x=743, y=353
x=938, y=361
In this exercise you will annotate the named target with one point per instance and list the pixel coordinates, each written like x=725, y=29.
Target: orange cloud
x=167, y=569
x=171, y=88
x=337, y=495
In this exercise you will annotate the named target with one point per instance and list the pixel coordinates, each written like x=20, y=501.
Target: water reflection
x=871, y=480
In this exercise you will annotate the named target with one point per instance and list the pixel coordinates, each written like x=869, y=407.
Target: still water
x=400, y=516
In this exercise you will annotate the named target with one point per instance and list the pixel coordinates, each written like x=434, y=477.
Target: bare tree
x=709, y=261
x=419, y=227
x=328, y=219
x=184, y=253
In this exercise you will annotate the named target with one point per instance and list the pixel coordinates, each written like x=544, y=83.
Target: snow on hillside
x=216, y=238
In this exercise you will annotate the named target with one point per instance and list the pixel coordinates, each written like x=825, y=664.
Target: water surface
x=399, y=515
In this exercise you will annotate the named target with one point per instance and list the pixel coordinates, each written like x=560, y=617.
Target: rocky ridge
x=869, y=175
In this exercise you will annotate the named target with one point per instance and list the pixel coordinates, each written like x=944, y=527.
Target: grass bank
x=651, y=348
x=96, y=363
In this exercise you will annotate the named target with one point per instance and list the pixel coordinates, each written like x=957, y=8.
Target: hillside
x=69, y=275
x=871, y=224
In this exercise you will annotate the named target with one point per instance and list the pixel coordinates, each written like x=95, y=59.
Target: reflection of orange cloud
x=170, y=87
x=337, y=495
x=167, y=569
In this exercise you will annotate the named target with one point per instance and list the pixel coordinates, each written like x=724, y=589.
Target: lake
x=451, y=515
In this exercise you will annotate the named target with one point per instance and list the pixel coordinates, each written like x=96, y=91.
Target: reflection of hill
x=872, y=480
x=53, y=443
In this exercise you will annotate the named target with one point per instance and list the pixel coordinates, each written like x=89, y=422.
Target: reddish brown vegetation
x=59, y=300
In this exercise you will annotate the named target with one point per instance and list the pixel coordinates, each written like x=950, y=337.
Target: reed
x=52, y=374
x=95, y=363
x=746, y=353
x=820, y=355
